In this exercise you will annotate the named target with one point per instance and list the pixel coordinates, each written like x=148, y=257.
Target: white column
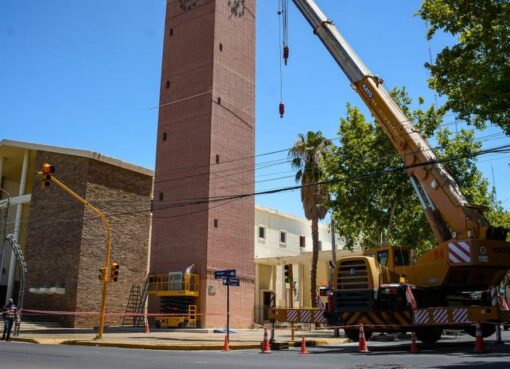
x=17, y=225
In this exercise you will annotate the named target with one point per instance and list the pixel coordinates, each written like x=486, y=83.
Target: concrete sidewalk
x=179, y=339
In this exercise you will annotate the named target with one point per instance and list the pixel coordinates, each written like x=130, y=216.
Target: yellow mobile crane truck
x=450, y=282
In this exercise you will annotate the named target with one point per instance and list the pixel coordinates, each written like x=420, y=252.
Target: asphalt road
x=384, y=355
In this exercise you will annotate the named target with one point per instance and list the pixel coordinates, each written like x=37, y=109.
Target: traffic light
x=114, y=272
x=45, y=173
x=102, y=274
x=288, y=273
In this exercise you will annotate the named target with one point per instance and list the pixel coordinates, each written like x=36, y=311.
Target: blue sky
x=86, y=74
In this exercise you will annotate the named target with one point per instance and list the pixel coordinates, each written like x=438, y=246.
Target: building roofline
x=287, y=215
x=80, y=153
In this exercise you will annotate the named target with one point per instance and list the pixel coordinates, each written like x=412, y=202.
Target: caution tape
x=97, y=313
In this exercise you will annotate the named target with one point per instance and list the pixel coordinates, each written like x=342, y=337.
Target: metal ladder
x=136, y=305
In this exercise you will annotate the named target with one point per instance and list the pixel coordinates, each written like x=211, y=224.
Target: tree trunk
x=315, y=258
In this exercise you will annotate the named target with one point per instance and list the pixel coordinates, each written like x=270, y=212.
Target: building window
x=161, y=196
x=283, y=237
x=262, y=232
x=217, y=159
x=171, y=31
x=302, y=241
x=164, y=136
x=167, y=84
x=215, y=223
x=221, y=47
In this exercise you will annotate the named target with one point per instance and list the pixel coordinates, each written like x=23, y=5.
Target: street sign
x=231, y=282
x=228, y=273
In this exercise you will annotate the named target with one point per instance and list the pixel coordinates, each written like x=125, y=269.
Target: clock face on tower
x=188, y=4
x=237, y=7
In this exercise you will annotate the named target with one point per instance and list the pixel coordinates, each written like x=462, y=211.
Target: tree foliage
x=474, y=73
x=371, y=208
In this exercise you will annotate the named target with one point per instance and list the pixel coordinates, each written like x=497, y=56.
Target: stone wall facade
x=65, y=244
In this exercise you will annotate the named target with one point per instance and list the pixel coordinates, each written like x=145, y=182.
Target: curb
x=162, y=347
x=176, y=347
x=320, y=342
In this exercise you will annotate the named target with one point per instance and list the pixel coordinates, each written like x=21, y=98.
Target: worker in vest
x=9, y=314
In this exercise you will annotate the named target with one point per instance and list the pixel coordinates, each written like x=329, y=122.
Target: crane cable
x=283, y=43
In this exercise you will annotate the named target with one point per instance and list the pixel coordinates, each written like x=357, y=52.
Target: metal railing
x=173, y=282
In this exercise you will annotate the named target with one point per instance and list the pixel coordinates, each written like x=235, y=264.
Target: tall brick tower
x=205, y=149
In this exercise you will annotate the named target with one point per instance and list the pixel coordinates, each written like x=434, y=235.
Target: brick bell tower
x=205, y=150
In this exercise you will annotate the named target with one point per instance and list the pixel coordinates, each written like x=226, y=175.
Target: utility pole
x=336, y=331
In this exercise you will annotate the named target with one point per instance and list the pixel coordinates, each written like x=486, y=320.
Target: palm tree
x=307, y=155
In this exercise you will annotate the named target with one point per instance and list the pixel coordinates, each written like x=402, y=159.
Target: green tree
x=308, y=156
x=373, y=208
x=474, y=73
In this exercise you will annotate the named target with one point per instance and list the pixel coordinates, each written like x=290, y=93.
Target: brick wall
x=205, y=150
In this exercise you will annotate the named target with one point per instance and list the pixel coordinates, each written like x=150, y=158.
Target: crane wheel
x=487, y=330
x=353, y=333
x=429, y=334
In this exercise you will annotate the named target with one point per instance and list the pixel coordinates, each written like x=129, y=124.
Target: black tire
x=429, y=334
x=353, y=334
x=487, y=330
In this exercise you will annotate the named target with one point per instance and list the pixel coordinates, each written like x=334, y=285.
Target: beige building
x=282, y=239
x=62, y=241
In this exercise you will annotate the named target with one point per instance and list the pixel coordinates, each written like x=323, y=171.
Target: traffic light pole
x=108, y=248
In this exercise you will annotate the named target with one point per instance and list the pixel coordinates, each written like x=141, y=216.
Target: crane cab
x=389, y=256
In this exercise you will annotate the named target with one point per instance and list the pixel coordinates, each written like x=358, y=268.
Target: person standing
x=9, y=313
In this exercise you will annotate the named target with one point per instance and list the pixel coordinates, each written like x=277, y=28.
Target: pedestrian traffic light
x=102, y=274
x=114, y=272
x=288, y=273
x=45, y=173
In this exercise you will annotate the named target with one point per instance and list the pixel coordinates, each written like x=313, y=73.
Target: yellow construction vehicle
x=447, y=286
x=178, y=297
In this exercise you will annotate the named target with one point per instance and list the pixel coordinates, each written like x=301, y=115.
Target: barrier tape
x=97, y=313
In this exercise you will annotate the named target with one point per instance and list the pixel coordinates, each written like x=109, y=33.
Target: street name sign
x=231, y=282
x=228, y=273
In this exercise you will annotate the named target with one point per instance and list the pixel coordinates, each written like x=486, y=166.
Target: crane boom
x=446, y=208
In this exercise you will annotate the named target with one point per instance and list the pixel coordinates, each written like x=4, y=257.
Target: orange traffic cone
x=362, y=343
x=414, y=346
x=479, y=345
x=225, y=344
x=266, y=349
x=303, y=351
x=146, y=327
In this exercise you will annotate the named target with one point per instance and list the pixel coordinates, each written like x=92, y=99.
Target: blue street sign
x=231, y=282
x=228, y=273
